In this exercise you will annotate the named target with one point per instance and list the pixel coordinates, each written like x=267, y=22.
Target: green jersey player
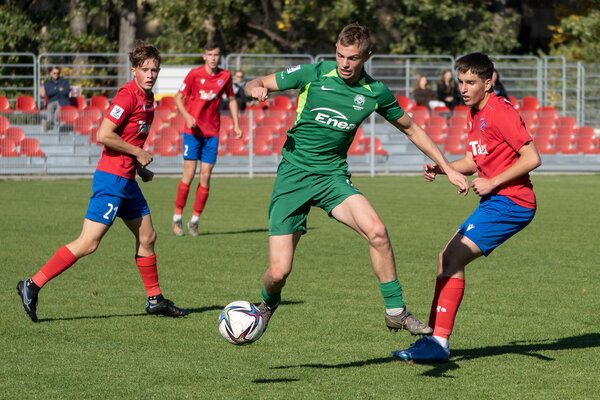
x=335, y=97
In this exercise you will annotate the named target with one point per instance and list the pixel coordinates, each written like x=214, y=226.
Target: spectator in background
x=56, y=89
x=238, y=85
x=447, y=90
x=424, y=94
x=498, y=86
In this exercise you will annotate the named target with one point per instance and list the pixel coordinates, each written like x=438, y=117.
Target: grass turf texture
x=529, y=325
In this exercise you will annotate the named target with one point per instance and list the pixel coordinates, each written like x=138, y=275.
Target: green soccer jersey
x=328, y=114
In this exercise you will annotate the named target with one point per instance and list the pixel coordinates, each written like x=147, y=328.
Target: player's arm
x=235, y=115
x=108, y=136
x=529, y=159
x=259, y=88
x=465, y=166
x=421, y=139
x=190, y=121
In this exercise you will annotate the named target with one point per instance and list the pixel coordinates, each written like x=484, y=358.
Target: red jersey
x=496, y=133
x=204, y=93
x=133, y=111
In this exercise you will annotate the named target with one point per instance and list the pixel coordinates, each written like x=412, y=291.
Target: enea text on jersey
x=324, y=116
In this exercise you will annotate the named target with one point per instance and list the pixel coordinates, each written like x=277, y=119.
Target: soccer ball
x=240, y=322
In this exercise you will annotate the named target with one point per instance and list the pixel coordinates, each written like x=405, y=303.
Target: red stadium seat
x=457, y=120
x=548, y=111
x=514, y=101
x=4, y=125
x=262, y=146
x=420, y=114
x=226, y=127
x=530, y=118
x=356, y=148
x=31, y=147
x=440, y=111
x=78, y=102
x=436, y=132
x=404, y=102
x=236, y=147
x=167, y=132
x=277, y=143
x=164, y=146
x=26, y=105
x=94, y=113
x=379, y=150
x=438, y=120
x=257, y=113
x=83, y=125
x=16, y=134
x=8, y=148
x=530, y=103
x=544, y=131
x=281, y=102
x=101, y=102
x=454, y=145
x=461, y=110
x=545, y=145
x=169, y=102
x=567, y=121
x=566, y=132
x=457, y=131
x=164, y=113
x=178, y=122
x=67, y=114
x=588, y=145
x=586, y=132
x=266, y=131
x=5, y=106
x=565, y=145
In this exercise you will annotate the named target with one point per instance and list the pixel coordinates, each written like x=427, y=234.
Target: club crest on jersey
x=220, y=82
x=116, y=112
x=359, y=101
x=482, y=125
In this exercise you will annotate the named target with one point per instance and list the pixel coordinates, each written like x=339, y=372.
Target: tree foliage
x=577, y=37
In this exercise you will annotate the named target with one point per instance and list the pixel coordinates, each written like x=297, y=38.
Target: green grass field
x=528, y=327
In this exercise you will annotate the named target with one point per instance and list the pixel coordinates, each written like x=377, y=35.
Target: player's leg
x=281, y=256
x=208, y=158
x=87, y=242
x=145, y=258
x=191, y=155
x=358, y=213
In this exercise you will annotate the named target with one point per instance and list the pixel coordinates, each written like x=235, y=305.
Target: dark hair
x=211, y=45
x=141, y=52
x=442, y=83
x=478, y=63
x=355, y=34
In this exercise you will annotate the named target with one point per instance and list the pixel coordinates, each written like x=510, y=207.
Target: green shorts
x=296, y=190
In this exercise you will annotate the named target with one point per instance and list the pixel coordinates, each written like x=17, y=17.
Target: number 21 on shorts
x=111, y=213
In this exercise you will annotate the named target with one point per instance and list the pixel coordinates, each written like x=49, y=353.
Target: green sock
x=392, y=294
x=270, y=300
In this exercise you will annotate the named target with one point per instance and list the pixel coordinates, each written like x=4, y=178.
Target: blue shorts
x=496, y=219
x=114, y=196
x=200, y=148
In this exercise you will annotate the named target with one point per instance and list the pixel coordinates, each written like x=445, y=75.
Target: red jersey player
x=502, y=153
x=202, y=89
x=115, y=191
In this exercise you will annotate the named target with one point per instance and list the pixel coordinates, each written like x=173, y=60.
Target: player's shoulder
x=503, y=107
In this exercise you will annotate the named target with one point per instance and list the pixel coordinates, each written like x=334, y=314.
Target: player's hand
x=144, y=158
x=238, y=132
x=458, y=179
x=482, y=186
x=430, y=171
x=190, y=121
x=259, y=93
x=145, y=174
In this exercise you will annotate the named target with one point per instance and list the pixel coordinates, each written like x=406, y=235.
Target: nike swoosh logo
x=324, y=88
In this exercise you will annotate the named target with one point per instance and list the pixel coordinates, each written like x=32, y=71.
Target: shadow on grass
x=276, y=380
x=233, y=232
x=197, y=310
x=524, y=347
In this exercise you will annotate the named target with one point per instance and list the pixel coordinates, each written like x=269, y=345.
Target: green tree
x=577, y=36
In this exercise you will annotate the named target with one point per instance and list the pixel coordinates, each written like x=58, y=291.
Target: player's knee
x=148, y=239
x=378, y=235
x=278, y=275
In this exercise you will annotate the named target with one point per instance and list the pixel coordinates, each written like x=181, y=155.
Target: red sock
x=149, y=273
x=201, y=196
x=182, y=195
x=439, y=284
x=60, y=261
x=451, y=295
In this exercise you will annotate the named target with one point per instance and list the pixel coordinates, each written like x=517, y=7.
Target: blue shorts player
x=502, y=153
x=115, y=191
